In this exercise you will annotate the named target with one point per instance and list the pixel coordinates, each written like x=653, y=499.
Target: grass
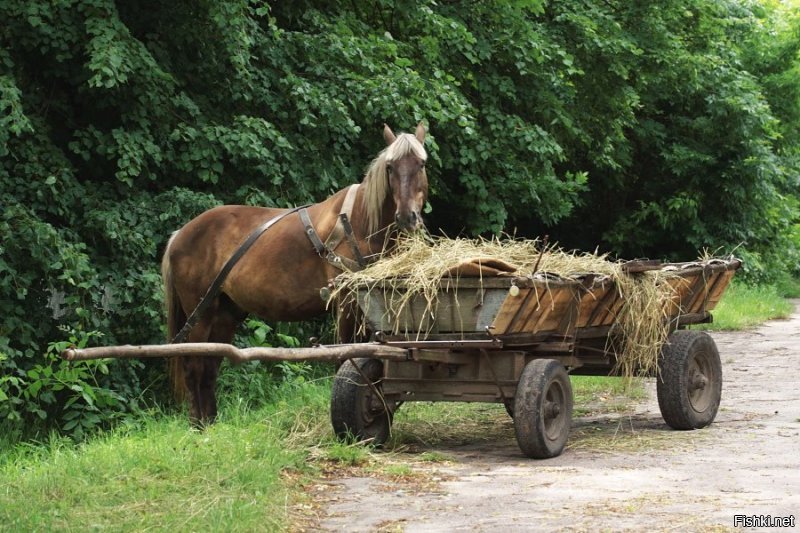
x=247, y=471
x=162, y=475
x=598, y=394
x=243, y=473
x=746, y=306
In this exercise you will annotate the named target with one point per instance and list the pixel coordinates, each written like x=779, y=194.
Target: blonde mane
x=376, y=180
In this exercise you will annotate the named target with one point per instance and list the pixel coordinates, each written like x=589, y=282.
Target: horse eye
x=389, y=169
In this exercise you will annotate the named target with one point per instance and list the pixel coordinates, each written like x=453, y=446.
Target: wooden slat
x=695, y=294
x=527, y=309
x=508, y=310
x=719, y=289
x=600, y=311
x=537, y=317
x=551, y=312
x=613, y=310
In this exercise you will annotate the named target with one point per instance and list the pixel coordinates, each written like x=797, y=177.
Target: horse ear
x=388, y=134
x=420, y=133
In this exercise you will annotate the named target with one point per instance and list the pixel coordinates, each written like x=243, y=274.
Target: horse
x=280, y=277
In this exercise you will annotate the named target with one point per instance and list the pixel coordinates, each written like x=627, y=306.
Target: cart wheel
x=357, y=412
x=543, y=409
x=689, y=385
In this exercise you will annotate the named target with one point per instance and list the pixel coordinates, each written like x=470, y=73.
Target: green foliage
x=71, y=397
x=647, y=129
x=253, y=384
x=746, y=306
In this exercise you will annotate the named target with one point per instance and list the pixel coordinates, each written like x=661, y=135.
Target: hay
x=422, y=265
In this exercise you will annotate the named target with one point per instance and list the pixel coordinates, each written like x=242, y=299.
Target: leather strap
x=311, y=233
x=222, y=275
x=351, y=240
x=342, y=230
x=339, y=231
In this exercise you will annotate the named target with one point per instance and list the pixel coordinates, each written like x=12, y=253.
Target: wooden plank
x=719, y=289
x=533, y=308
x=542, y=311
x=511, y=306
x=614, y=310
x=680, y=286
x=701, y=304
x=695, y=294
x=601, y=308
x=638, y=266
x=569, y=318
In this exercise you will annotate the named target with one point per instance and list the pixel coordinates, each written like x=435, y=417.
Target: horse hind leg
x=193, y=371
x=222, y=330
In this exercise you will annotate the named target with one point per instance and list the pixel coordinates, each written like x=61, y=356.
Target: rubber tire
x=352, y=416
x=542, y=382
x=686, y=357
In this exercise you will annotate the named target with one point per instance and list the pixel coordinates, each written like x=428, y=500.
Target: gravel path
x=626, y=471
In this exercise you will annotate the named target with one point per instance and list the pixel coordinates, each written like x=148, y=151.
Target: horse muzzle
x=409, y=221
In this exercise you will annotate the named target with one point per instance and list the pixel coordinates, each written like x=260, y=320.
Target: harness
x=327, y=250
x=341, y=231
x=222, y=275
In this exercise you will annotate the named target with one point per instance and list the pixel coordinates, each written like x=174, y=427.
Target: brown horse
x=280, y=277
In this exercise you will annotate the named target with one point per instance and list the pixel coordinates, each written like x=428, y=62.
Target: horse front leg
x=350, y=324
x=349, y=321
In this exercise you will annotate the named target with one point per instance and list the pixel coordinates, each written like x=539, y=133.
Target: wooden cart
x=516, y=340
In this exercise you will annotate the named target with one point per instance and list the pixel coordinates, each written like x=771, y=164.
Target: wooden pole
x=339, y=352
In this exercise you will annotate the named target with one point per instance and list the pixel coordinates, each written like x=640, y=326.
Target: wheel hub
x=699, y=381
x=552, y=410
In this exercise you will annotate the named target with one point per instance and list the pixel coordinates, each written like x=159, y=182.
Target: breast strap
x=341, y=231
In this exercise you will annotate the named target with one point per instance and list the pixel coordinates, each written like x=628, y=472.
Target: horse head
x=405, y=170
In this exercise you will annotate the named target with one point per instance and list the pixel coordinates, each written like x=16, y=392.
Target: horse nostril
x=408, y=220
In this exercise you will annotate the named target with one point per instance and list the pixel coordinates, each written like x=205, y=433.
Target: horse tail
x=176, y=318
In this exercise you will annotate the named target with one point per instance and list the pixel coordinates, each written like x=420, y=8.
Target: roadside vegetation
x=745, y=306
x=636, y=129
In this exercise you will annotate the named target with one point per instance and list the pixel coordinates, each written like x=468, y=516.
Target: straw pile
x=423, y=265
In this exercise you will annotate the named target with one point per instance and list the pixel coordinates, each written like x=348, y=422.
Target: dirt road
x=625, y=471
